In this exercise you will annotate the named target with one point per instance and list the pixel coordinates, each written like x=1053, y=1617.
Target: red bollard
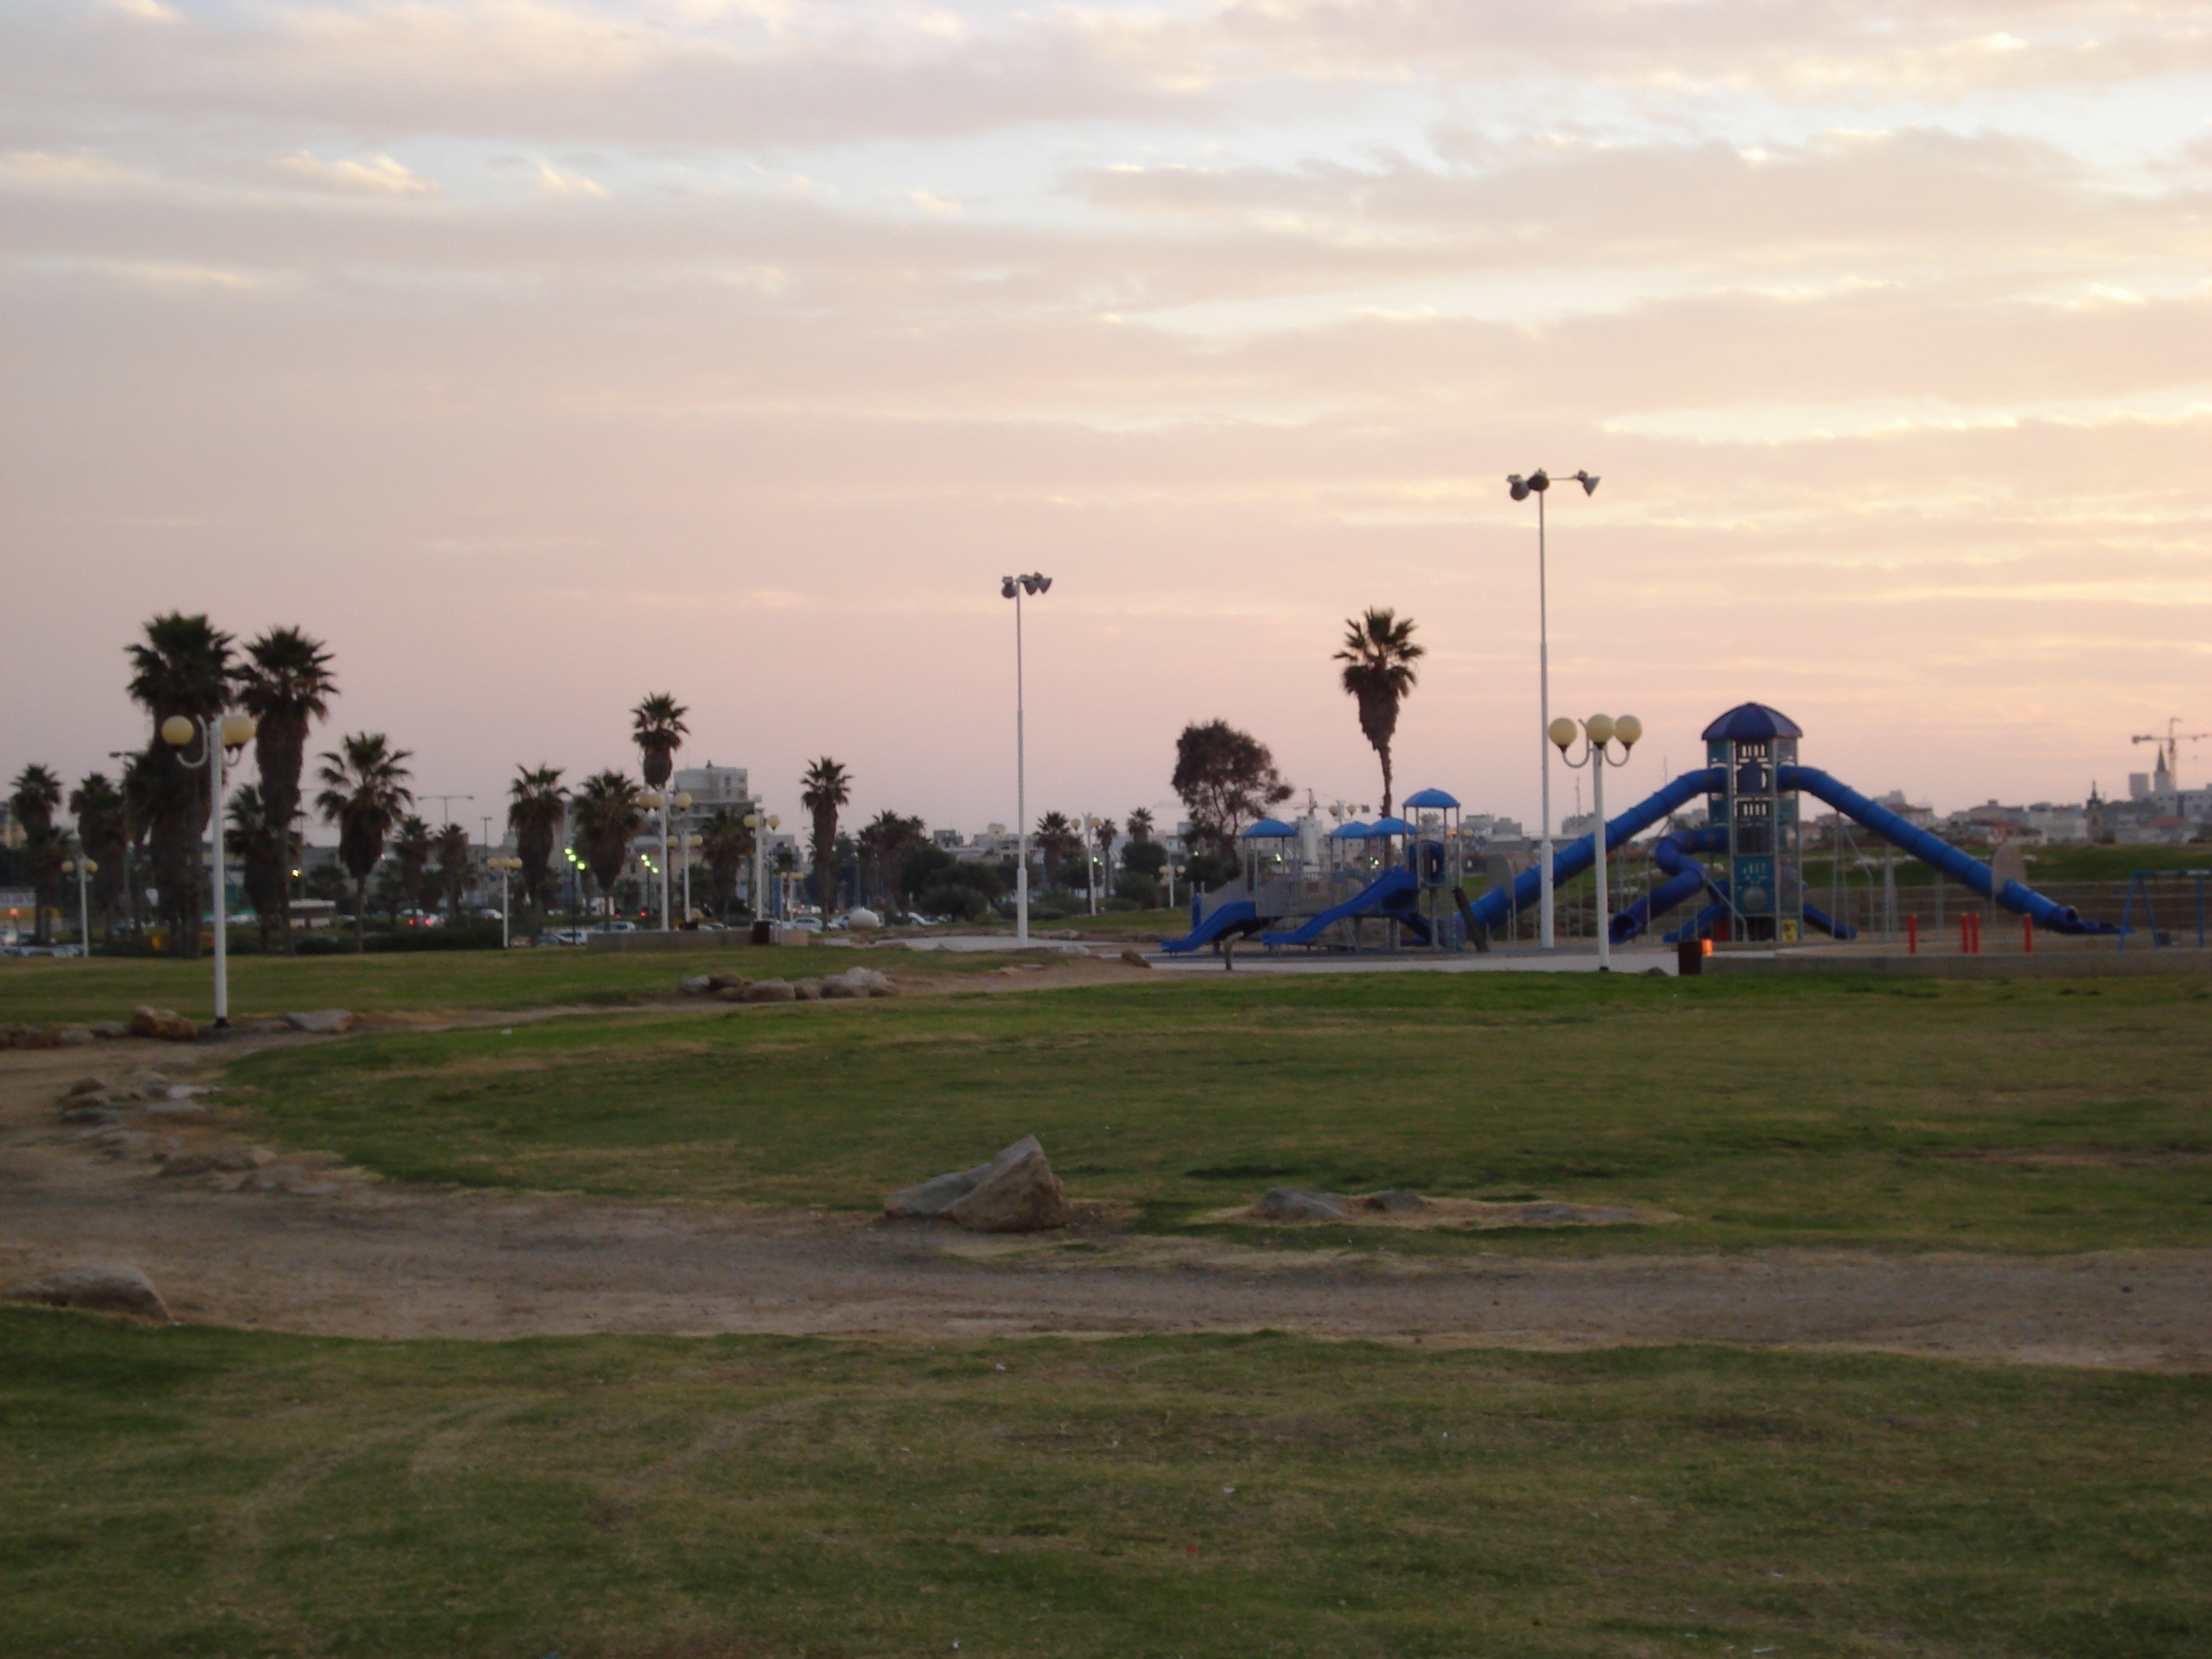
x=1912, y=936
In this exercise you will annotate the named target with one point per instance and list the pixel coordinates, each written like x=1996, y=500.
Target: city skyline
x=538, y=355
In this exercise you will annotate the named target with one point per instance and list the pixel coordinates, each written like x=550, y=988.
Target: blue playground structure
x=1301, y=887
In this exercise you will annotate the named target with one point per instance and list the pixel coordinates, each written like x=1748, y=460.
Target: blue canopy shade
x=1429, y=799
x=1354, y=830
x=1389, y=827
x=1751, y=721
x=1268, y=829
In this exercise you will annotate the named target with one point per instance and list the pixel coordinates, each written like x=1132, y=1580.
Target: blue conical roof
x=1268, y=829
x=1752, y=720
x=1429, y=799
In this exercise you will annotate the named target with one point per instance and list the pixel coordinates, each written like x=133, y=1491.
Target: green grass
x=2032, y=1116
x=192, y=1491
x=64, y=991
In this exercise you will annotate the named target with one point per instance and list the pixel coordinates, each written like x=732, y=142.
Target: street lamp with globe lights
x=81, y=867
x=1539, y=483
x=692, y=843
x=1598, y=732
x=1014, y=587
x=221, y=737
x=655, y=800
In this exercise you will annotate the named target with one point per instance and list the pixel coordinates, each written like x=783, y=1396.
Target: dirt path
x=343, y=1257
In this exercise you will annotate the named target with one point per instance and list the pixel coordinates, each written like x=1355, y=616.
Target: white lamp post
x=220, y=739
x=1598, y=730
x=1538, y=484
x=1090, y=866
x=1012, y=587
x=81, y=867
x=692, y=843
x=504, y=866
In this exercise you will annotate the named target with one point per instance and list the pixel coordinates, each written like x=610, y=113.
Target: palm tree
x=727, y=841
x=411, y=850
x=265, y=848
x=657, y=727
x=182, y=667
x=453, y=844
x=365, y=794
x=883, y=847
x=825, y=787
x=1056, y=838
x=37, y=794
x=538, y=807
x=103, y=830
x=286, y=684
x=1104, y=834
x=607, y=816
x=1378, y=658
x=1141, y=824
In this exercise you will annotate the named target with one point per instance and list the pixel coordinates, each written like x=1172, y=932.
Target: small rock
x=120, y=1143
x=322, y=1022
x=733, y=993
x=719, y=983
x=1136, y=959
x=164, y=1024
x=75, y=1037
x=806, y=990
x=268, y=1027
x=276, y=1178
x=1019, y=1193
x=859, y=982
x=173, y=1111
x=87, y=1085
x=92, y=1111
x=1395, y=1201
x=190, y=1090
x=695, y=985
x=227, y=1158
x=103, y=1288
x=771, y=990
x=107, y=1031
x=1295, y=1203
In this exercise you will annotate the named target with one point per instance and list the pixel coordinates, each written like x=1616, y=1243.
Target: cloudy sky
x=539, y=354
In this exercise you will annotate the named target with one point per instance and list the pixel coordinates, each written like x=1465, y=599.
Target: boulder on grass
x=104, y=1290
x=87, y=1085
x=771, y=990
x=74, y=1037
x=108, y=1030
x=1295, y=1203
x=321, y=1022
x=858, y=983
x=1015, y=1192
x=695, y=985
x=806, y=990
x=164, y=1024
x=1395, y=1201
x=1135, y=958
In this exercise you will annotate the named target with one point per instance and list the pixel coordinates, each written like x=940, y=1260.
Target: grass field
x=199, y=1491
x=2034, y=1116
x=60, y=991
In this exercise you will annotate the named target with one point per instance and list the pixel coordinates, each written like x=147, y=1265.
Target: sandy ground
x=328, y=1252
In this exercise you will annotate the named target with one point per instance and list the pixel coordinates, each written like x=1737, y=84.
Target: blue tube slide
x=1686, y=879
x=1390, y=896
x=1969, y=873
x=1236, y=914
x=1491, y=910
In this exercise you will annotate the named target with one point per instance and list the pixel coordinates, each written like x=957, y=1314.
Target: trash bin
x=764, y=932
x=1690, y=957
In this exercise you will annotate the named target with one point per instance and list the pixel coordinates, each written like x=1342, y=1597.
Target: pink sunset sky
x=539, y=355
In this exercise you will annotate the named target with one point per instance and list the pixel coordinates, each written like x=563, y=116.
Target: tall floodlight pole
x=1538, y=484
x=221, y=739
x=1012, y=587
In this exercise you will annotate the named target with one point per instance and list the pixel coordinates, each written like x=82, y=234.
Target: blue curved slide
x=1237, y=915
x=1491, y=910
x=1390, y=895
x=1933, y=850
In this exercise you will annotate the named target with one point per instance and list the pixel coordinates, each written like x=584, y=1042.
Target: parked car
x=566, y=936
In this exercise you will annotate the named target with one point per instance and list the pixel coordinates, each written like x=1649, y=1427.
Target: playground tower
x=1750, y=744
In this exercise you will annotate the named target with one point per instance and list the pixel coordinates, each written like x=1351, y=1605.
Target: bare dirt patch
x=323, y=1250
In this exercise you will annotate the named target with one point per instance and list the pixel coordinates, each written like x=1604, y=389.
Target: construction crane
x=2169, y=748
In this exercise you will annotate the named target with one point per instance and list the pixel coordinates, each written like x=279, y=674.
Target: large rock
x=806, y=990
x=1396, y=1200
x=74, y=1037
x=1015, y=1192
x=108, y=1030
x=695, y=985
x=103, y=1288
x=322, y=1022
x=860, y=918
x=771, y=990
x=859, y=982
x=87, y=1085
x=1295, y=1203
x=1135, y=958
x=166, y=1024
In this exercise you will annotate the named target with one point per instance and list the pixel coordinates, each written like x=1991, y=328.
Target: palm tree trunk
x=1386, y=780
x=359, y=914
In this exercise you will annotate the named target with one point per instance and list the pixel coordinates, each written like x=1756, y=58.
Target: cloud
x=552, y=181
x=43, y=170
x=930, y=202
x=378, y=176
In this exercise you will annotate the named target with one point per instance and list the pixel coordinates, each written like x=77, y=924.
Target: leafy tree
x=285, y=682
x=726, y=842
x=825, y=787
x=37, y=795
x=657, y=726
x=537, y=808
x=453, y=870
x=607, y=815
x=1226, y=779
x=181, y=668
x=365, y=794
x=1145, y=857
x=103, y=830
x=411, y=851
x=263, y=847
x=1378, y=658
